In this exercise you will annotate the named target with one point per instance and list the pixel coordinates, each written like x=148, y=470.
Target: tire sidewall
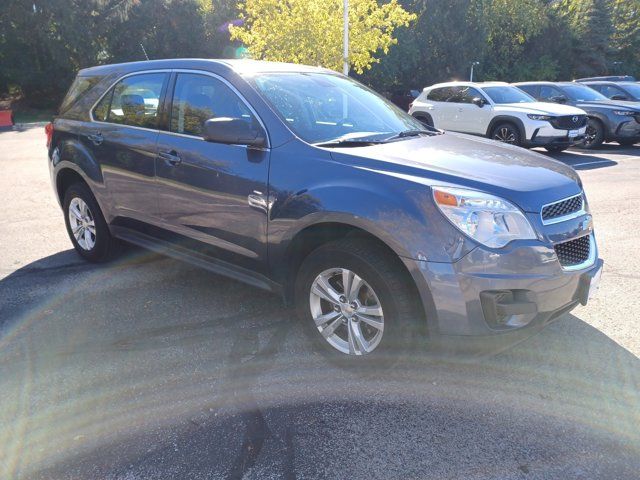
x=597, y=124
x=100, y=250
x=397, y=327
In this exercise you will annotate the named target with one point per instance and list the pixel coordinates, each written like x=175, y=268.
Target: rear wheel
x=356, y=303
x=507, y=133
x=594, y=134
x=86, y=225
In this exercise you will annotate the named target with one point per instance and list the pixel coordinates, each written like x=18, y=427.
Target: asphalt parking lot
x=148, y=368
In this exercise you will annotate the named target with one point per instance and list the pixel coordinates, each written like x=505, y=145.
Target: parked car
x=609, y=120
x=617, y=90
x=611, y=78
x=301, y=181
x=403, y=98
x=499, y=111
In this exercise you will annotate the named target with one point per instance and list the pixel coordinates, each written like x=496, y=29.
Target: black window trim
x=167, y=99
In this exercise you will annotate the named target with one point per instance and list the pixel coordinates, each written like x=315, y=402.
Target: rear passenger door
x=123, y=138
x=213, y=197
x=469, y=117
x=443, y=111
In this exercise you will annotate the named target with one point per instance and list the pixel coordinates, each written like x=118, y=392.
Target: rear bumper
x=488, y=298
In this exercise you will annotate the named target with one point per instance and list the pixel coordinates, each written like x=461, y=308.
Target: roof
x=605, y=82
x=467, y=84
x=544, y=83
x=242, y=66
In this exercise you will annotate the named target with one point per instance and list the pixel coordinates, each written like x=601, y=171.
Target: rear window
x=79, y=87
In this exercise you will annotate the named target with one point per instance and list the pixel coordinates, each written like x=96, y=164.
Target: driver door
x=212, y=197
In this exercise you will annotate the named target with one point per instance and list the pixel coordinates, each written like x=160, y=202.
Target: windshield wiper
x=349, y=140
x=412, y=133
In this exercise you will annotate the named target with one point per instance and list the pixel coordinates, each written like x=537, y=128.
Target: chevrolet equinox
x=298, y=180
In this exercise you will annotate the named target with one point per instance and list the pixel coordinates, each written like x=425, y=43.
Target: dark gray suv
x=301, y=181
x=608, y=120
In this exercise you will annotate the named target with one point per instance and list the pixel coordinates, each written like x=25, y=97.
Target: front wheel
x=506, y=133
x=594, y=134
x=86, y=225
x=357, y=304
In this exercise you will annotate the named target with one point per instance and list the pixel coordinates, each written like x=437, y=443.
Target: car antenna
x=144, y=51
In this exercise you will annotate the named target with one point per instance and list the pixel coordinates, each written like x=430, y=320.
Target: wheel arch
x=427, y=116
x=508, y=119
x=314, y=235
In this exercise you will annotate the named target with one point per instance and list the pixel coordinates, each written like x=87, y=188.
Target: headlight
x=533, y=116
x=490, y=220
x=625, y=113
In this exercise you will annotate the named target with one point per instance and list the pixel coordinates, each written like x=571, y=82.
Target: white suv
x=500, y=111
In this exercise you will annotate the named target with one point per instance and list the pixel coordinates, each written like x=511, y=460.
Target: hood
x=540, y=108
x=610, y=105
x=530, y=180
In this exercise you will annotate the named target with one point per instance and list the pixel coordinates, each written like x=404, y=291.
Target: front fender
x=401, y=214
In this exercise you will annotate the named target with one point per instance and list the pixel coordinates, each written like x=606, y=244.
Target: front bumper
x=545, y=135
x=499, y=296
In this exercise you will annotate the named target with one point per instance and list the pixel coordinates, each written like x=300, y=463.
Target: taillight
x=48, y=130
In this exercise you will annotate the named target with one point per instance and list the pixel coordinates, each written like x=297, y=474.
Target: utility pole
x=472, y=65
x=345, y=41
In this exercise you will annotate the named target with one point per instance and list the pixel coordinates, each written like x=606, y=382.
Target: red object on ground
x=48, y=129
x=6, y=119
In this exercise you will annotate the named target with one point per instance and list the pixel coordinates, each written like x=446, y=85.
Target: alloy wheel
x=505, y=134
x=590, y=135
x=82, y=224
x=346, y=311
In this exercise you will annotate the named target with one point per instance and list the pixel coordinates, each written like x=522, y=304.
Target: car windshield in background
x=581, y=93
x=506, y=94
x=321, y=107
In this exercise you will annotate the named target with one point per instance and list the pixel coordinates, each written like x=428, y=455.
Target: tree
x=625, y=15
x=310, y=31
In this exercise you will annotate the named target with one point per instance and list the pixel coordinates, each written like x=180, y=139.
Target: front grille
x=562, y=208
x=569, y=122
x=573, y=252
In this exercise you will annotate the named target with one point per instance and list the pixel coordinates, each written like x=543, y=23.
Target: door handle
x=96, y=138
x=171, y=157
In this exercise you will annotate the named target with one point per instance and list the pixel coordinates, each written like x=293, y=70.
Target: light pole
x=345, y=40
x=473, y=64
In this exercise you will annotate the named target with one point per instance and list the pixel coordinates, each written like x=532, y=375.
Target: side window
x=133, y=101
x=467, y=94
x=439, y=94
x=198, y=98
x=547, y=92
x=456, y=94
x=609, y=91
x=530, y=89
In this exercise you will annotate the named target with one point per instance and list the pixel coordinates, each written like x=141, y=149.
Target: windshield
x=507, y=94
x=581, y=93
x=320, y=107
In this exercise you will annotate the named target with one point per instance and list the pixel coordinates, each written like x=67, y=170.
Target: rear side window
x=198, y=98
x=79, y=87
x=440, y=94
x=133, y=101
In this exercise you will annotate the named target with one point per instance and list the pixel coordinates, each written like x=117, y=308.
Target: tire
x=594, y=135
x=629, y=142
x=506, y=132
x=555, y=149
x=95, y=245
x=384, y=284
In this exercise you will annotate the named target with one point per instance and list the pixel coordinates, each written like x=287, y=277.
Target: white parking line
x=590, y=163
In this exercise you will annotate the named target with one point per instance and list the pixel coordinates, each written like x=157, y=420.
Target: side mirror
x=234, y=131
x=619, y=97
x=559, y=99
x=478, y=101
